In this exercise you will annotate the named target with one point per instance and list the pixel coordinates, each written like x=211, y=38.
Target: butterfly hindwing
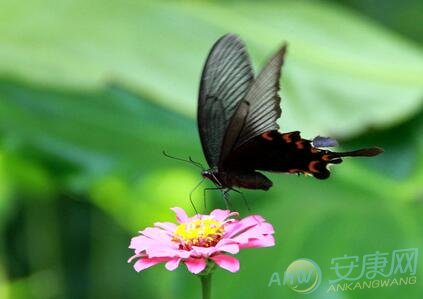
x=288, y=152
x=277, y=152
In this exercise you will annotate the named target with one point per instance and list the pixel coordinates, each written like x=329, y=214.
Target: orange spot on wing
x=325, y=157
x=287, y=137
x=267, y=136
x=312, y=166
x=300, y=144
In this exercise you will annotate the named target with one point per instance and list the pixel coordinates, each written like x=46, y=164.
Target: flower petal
x=226, y=262
x=144, y=242
x=202, y=251
x=166, y=251
x=231, y=246
x=221, y=215
x=167, y=226
x=181, y=216
x=140, y=243
x=157, y=244
x=136, y=256
x=160, y=250
x=251, y=231
x=195, y=265
x=172, y=264
x=266, y=241
x=252, y=234
x=157, y=234
x=242, y=225
x=144, y=263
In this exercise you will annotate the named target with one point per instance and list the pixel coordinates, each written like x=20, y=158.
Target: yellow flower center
x=199, y=232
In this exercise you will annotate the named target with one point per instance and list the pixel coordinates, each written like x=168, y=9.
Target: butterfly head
x=212, y=175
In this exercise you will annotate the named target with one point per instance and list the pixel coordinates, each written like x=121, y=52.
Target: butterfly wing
x=247, y=137
x=277, y=152
x=225, y=81
x=260, y=109
x=288, y=152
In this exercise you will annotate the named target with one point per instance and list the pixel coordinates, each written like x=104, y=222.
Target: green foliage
x=338, y=63
x=92, y=92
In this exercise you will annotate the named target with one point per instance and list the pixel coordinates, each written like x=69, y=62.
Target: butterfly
x=237, y=116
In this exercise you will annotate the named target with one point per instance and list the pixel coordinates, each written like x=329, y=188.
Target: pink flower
x=200, y=239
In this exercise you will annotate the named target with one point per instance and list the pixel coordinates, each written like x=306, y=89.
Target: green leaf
x=93, y=132
x=343, y=73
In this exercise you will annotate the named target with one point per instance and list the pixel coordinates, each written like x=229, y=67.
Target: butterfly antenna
x=184, y=160
x=198, y=164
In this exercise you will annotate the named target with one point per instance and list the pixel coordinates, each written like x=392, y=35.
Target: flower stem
x=206, y=286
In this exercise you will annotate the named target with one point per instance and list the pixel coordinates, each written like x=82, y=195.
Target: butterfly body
x=248, y=179
x=237, y=115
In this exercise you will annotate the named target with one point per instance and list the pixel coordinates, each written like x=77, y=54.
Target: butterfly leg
x=204, y=194
x=192, y=203
x=244, y=199
x=190, y=195
x=225, y=192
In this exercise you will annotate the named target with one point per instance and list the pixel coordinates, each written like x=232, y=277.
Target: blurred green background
x=91, y=92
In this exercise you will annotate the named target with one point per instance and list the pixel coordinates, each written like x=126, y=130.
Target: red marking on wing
x=287, y=137
x=312, y=166
x=267, y=136
x=299, y=144
x=326, y=158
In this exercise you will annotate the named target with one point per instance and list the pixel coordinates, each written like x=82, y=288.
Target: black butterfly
x=237, y=116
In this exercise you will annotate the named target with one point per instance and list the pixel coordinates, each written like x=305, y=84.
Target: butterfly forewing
x=225, y=81
x=260, y=109
x=263, y=100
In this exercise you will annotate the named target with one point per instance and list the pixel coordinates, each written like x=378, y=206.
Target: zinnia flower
x=200, y=239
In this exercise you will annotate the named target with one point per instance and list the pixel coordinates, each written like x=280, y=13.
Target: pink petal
x=172, y=264
x=202, y=251
x=167, y=226
x=226, y=262
x=264, y=228
x=267, y=241
x=140, y=243
x=144, y=263
x=195, y=265
x=159, y=250
x=249, y=229
x=136, y=256
x=195, y=217
x=250, y=234
x=183, y=254
x=157, y=234
x=221, y=215
x=238, y=227
x=228, y=247
x=166, y=251
x=181, y=216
